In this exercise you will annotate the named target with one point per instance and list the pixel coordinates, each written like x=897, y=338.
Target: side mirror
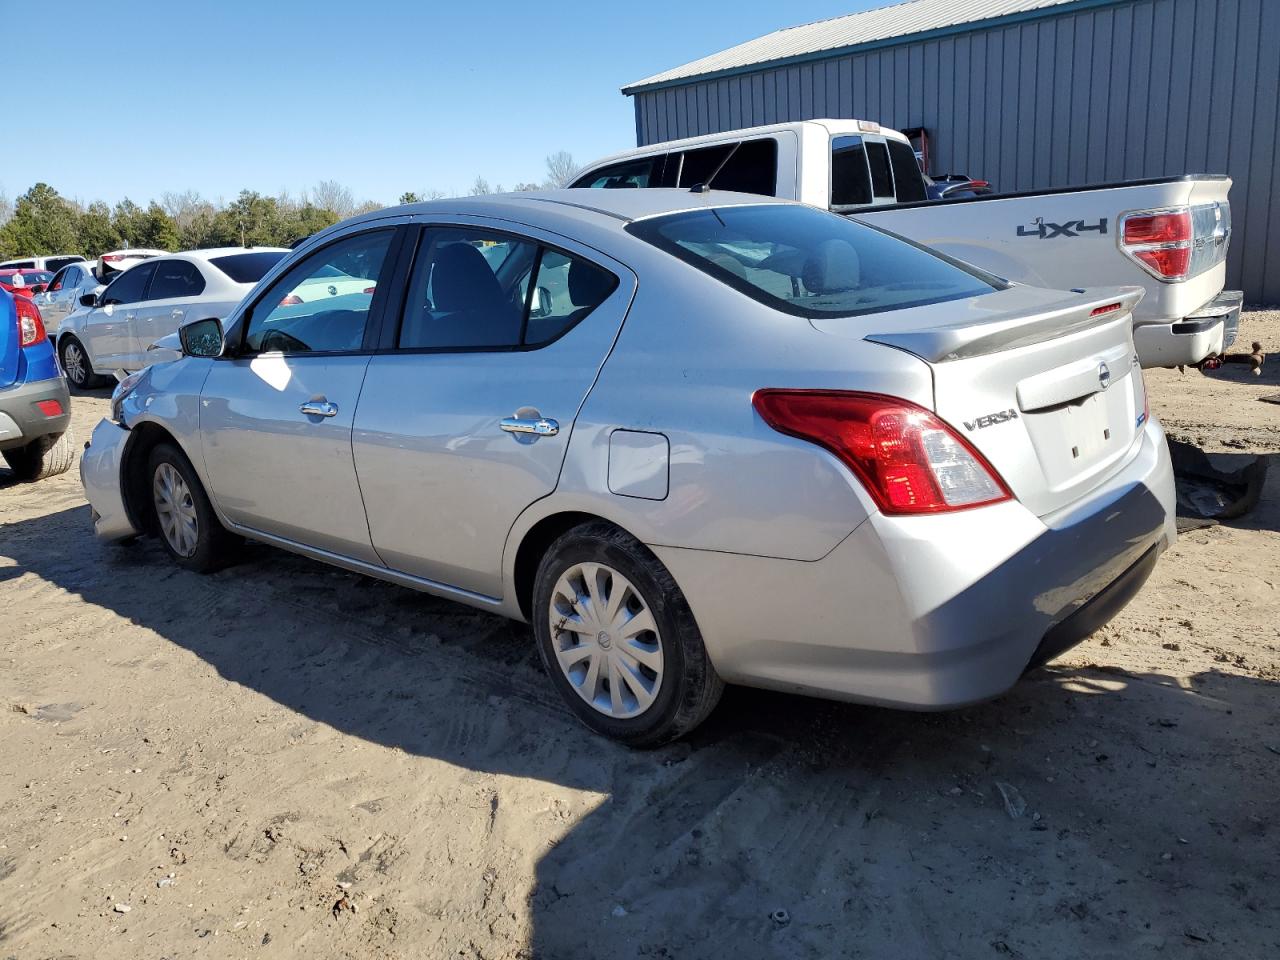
x=40, y=288
x=89, y=300
x=540, y=306
x=203, y=338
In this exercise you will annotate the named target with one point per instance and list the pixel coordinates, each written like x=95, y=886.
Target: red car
x=25, y=283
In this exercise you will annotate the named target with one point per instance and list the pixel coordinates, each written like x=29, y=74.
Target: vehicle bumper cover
x=100, y=465
x=1203, y=333
x=934, y=612
x=21, y=421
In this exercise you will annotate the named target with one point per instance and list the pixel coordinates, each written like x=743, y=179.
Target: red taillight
x=1109, y=308
x=370, y=290
x=1160, y=241
x=292, y=300
x=50, y=408
x=909, y=460
x=30, y=324
x=111, y=257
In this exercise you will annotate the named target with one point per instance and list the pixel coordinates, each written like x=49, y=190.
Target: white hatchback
x=114, y=328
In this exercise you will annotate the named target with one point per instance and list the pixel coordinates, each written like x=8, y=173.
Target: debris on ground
x=1014, y=805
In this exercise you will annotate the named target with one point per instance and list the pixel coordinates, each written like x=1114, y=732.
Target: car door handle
x=319, y=408
x=541, y=427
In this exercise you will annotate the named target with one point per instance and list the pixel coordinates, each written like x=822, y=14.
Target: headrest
x=462, y=279
x=588, y=284
x=832, y=268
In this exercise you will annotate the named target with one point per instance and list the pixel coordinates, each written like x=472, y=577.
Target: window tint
x=309, y=310
x=807, y=262
x=907, y=179
x=248, y=267
x=129, y=286
x=175, y=278
x=850, y=181
x=633, y=173
x=752, y=168
x=881, y=178
x=471, y=290
x=700, y=164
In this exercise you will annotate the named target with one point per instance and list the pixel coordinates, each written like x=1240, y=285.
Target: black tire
x=213, y=545
x=43, y=458
x=80, y=376
x=690, y=686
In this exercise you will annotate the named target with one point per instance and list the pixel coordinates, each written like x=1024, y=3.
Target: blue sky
x=381, y=95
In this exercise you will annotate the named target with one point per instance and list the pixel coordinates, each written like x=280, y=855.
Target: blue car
x=35, y=405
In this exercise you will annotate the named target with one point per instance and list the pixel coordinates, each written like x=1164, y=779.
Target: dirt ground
x=287, y=761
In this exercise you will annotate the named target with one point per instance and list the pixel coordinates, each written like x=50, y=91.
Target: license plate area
x=1077, y=438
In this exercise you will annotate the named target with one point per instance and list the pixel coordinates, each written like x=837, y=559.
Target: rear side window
x=699, y=165
x=476, y=290
x=175, y=278
x=881, y=177
x=850, y=180
x=810, y=263
x=908, y=181
x=129, y=286
x=247, y=267
x=751, y=168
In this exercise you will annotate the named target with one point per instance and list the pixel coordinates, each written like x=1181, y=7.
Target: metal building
x=1028, y=94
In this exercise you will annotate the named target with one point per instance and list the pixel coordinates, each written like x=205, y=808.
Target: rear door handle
x=319, y=408
x=540, y=427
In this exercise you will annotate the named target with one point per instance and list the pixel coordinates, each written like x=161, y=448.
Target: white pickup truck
x=1170, y=236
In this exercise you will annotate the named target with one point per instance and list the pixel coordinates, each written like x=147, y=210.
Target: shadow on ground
x=1090, y=812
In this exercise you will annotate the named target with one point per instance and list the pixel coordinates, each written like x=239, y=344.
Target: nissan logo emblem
x=1104, y=375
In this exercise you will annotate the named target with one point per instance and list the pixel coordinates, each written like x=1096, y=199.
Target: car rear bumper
x=22, y=420
x=1203, y=333
x=934, y=612
x=100, y=465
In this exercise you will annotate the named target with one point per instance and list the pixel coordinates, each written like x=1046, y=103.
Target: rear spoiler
x=1014, y=329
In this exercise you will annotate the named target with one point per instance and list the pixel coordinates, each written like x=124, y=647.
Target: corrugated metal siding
x=1103, y=94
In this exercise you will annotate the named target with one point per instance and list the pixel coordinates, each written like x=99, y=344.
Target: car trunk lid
x=1045, y=384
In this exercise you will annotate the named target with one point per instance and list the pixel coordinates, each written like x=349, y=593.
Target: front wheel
x=618, y=639
x=43, y=458
x=189, y=529
x=76, y=365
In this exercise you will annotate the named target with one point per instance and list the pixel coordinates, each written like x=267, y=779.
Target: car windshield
x=29, y=277
x=247, y=267
x=811, y=263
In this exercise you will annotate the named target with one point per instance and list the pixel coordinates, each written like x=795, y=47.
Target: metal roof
x=811, y=40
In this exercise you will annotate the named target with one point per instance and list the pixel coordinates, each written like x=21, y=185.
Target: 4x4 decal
x=1072, y=228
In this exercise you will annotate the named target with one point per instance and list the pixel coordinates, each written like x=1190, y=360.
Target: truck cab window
x=850, y=180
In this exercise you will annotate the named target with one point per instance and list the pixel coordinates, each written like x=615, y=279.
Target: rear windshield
x=811, y=263
x=247, y=267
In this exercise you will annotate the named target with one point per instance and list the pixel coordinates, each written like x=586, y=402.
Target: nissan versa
x=692, y=437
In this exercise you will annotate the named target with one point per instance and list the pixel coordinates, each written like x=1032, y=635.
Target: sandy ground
x=282, y=760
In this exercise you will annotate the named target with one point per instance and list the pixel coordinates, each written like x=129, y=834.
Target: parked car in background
x=736, y=439
x=1169, y=236
x=151, y=300
x=115, y=261
x=24, y=282
x=53, y=264
x=35, y=406
x=63, y=293
x=955, y=186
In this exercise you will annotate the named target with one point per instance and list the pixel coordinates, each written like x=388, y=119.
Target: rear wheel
x=43, y=458
x=618, y=639
x=185, y=522
x=76, y=365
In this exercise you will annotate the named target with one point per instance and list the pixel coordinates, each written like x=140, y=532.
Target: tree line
x=42, y=222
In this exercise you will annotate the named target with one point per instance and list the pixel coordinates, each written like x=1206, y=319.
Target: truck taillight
x=30, y=323
x=1160, y=241
x=908, y=460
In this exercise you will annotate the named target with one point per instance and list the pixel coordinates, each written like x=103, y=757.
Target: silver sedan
x=692, y=438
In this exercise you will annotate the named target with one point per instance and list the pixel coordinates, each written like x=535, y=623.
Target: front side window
x=476, y=290
x=632, y=174
x=129, y=286
x=809, y=263
x=322, y=305
x=60, y=280
x=751, y=168
x=175, y=278
x=700, y=165
x=850, y=179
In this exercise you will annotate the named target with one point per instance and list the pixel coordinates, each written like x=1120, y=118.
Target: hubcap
x=73, y=363
x=175, y=510
x=606, y=640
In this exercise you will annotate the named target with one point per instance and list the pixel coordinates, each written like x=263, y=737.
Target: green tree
x=95, y=230
x=42, y=223
x=251, y=220
x=156, y=229
x=410, y=197
x=126, y=220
